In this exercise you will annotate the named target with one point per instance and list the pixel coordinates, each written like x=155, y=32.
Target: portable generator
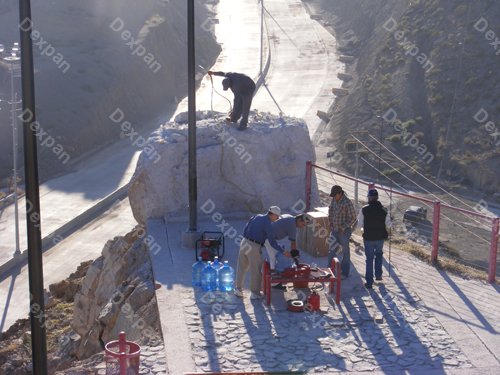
x=210, y=245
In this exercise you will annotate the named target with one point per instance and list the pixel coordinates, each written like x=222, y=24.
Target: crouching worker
x=284, y=227
x=256, y=232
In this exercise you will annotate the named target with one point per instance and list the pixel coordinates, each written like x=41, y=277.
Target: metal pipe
x=356, y=176
x=14, y=156
x=435, y=230
x=193, y=189
x=493, y=250
x=35, y=265
x=308, y=184
x=261, y=36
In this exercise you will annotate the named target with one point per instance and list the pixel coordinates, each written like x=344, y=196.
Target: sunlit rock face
x=236, y=170
x=117, y=294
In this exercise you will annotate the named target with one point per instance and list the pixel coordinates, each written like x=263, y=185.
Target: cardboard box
x=313, y=238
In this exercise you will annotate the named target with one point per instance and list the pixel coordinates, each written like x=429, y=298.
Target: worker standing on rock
x=243, y=88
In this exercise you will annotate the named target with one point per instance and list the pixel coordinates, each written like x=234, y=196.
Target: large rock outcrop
x=117, y=294
x=236, y=170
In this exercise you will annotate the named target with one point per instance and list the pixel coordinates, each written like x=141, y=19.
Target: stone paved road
x=418, y=319
x=385, y=329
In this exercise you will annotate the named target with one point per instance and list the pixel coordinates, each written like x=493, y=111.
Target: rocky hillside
x=429, y=69
x=101, y=298
x=92, y=57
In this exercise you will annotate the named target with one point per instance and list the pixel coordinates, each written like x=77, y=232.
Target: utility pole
x=356, y=176
x=261, y=36
x=381, y=122
x=33, y=218
x=13, y=61
x=190, y=237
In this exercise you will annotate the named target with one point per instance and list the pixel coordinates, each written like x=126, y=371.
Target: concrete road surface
x=297, y=53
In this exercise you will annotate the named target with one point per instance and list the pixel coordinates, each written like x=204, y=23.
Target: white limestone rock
x=117, y=294
x=246, y=170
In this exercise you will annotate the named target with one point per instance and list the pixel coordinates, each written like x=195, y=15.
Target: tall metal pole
x=261, y=36
x=193, y=189
x=380, y=150
x=14, y=174
x=35, y=268
x=356, y=176
x=13, y=61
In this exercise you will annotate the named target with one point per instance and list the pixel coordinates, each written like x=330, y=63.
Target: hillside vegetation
x=430, y=70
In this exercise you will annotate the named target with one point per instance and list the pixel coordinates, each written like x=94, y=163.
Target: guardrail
x=468, y=234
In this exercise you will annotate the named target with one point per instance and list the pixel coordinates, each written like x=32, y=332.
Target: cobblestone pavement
x=153, y=361
x=384, y=329
x=417, y=319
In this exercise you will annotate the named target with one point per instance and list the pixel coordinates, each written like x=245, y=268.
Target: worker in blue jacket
x=243, y=88
x=255, y=234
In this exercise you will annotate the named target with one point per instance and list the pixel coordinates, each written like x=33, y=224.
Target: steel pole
x=35, y=266
x=356, y=176
x=492, y=269
x=308, y=184
x=436, y=217
x=193, y=189
x=261, y=36
x=14, y=162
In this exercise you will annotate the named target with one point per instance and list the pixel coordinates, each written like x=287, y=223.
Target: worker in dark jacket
x=375, y=223
x=243, y=88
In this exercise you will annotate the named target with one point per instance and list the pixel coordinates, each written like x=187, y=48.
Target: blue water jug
x=208, y=278
x=226, y=278
x=217, y=266
x=197, y=269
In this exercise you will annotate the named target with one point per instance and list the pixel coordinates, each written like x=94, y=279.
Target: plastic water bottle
x=208, y=278
x=197, y=269
x=226, y=278
x=217, y=266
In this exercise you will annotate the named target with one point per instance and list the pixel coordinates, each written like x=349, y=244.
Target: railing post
x=435, y=230
x=308, y=184
x=493, y=251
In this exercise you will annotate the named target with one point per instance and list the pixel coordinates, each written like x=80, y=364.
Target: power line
x=409, y=179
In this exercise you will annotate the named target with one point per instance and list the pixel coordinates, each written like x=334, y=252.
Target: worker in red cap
x=243, y=88
x=375, y=223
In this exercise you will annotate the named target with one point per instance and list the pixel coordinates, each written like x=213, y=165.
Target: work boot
x=279, y=286
x=242, y=126
x=256, y=295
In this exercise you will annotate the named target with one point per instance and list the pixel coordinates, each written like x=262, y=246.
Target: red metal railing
x=437, y=206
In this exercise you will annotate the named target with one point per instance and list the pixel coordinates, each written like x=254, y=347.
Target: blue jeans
x=373, y=251
x=345, y=257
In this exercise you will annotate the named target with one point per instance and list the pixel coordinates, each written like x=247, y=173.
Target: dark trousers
x=345, y=256
x=373, y=252
x=241, y=108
